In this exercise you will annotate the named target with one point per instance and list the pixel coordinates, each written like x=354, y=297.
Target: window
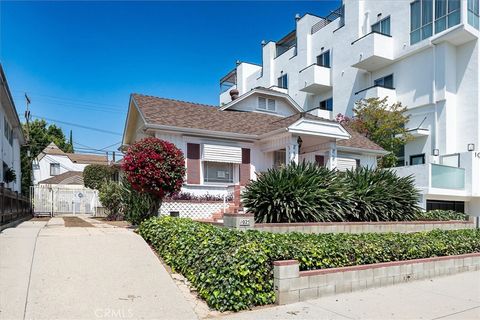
x=54, y=169
x=283, y=82
x=458, y=206
x=386, y=82
x=218, y=172
x=279, y=158
x=447, y=14
x=473, y=13
x=382, y=26
x=327, y=104
x=323, y=60
x=266, y=104
x=7, y=131
x=421, y=17
x=320, y=160
x=417, y=159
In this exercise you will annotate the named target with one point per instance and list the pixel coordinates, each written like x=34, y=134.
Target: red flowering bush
x=155, y=167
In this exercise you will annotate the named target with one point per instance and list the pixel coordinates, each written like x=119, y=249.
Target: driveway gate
x=54, y=200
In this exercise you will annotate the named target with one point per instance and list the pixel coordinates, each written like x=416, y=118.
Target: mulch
x=76, y=222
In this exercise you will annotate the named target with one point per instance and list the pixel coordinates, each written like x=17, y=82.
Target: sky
x=80, y=61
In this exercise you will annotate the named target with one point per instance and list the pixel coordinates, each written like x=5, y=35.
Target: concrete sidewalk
x=83, y=273
x=450, y=297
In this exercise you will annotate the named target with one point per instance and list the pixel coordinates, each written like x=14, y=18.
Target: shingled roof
x=53, y=149
x=69, y=177
x=189, y=115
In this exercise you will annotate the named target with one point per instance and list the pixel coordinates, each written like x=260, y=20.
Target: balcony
x=315, y=79
x=435, y=179
x=372, y=51
x=377, y=91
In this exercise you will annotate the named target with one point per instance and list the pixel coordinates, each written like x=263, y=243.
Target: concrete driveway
x=49, y=271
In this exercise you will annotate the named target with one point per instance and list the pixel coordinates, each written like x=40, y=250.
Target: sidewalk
x=83, y=273
x=450, y=297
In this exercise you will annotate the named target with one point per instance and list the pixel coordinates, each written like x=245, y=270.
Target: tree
x=41, y=134
x=96, y=175
x=383, y=124
x=154, y=167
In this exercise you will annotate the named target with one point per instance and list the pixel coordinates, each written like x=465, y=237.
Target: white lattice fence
x=193, y=210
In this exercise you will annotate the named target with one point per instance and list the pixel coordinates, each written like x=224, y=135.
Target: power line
x=78, y=125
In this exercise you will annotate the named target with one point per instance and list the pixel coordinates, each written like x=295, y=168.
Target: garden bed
x=233, y=270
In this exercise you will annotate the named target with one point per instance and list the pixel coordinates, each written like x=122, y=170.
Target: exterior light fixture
x=299, y=142
x=436, y=152
x=471, y=147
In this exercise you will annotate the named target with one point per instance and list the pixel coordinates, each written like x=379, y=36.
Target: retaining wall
x=364, y=227
x=292, y=285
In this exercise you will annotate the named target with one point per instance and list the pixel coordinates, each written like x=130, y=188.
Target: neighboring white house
x=259, y=130
x=12, y=135
x=55, y=167
x=422, y=53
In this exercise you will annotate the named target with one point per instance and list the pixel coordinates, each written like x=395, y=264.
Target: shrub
x=154, y=167
x=381, y=195
x=232, y=270
x=110, y=196
x=440, y=215
x=9, y=175
x=135, y=205
x=95, y=175
x=298, y=193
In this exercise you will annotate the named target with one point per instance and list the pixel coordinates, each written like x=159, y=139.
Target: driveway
x=49, y=271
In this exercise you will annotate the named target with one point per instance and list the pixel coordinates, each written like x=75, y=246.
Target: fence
x=13, y=206
x=49, y=200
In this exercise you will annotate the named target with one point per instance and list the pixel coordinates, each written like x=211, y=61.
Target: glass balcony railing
x=446, y=177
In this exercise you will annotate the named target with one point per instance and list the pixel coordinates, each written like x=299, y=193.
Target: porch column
x=332, y=156
x=292, y=152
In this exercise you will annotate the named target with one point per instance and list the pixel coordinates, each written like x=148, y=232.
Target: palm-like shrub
x=381, y=195
x=298, y=193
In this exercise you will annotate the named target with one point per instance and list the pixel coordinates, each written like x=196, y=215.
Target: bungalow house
x=55, y=167
x=258, y=130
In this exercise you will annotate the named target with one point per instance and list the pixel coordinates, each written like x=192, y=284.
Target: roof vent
x=234, y=94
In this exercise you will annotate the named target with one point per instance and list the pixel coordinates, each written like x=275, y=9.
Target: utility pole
x=27, y=138
x=27, y=119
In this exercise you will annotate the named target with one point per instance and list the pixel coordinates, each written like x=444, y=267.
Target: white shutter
x=218, y=153
x=343, y=164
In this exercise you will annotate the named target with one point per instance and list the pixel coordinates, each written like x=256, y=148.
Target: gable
x=251, y=104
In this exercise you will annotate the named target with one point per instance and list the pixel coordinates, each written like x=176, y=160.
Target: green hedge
x=440, y=215
x=232, y=270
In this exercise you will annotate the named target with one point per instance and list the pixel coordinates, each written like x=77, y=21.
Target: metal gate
x=48, y=200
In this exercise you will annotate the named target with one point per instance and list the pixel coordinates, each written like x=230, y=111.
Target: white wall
x=42, y=170
x=10, y=153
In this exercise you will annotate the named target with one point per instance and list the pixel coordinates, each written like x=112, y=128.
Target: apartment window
x=327, y=104
x=266, y=104
x=417, y=159
x=421, y=20
x=323, y=60
x=7, y=131
x=473, y=13
x=386, y=82
x=54, y=169
x=382, y=26
x=217, y=172
x=283, y=81
x=279, y=158
x=447, y=14
x=458, y=206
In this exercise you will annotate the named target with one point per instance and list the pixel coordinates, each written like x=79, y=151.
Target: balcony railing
x=315, y=79
x=446, y=177
x=378, y=91
x=372, y=51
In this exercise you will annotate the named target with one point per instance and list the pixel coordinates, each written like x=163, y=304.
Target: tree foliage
x=96, y=175
x=155, y=167
x=41, y=135
x=383, y=124
x=110, y=196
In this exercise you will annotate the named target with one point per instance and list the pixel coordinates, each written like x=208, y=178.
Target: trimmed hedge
x=232, y=270
x=440, y=215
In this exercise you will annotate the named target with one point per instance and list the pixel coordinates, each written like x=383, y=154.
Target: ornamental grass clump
x=233, y=270
x=298, y=193
x=381, y=195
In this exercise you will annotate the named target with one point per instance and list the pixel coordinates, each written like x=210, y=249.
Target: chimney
x=234, y=94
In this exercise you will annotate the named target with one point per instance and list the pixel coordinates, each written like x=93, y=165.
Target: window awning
x=219, y=153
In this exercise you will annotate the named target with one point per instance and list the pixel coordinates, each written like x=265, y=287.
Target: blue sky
x=79, y=61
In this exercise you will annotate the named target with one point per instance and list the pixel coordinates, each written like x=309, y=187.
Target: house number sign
x=245, y=223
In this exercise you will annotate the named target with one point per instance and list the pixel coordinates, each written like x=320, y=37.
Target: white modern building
x=422, y=53
x=12, y=135
x=55, y=167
